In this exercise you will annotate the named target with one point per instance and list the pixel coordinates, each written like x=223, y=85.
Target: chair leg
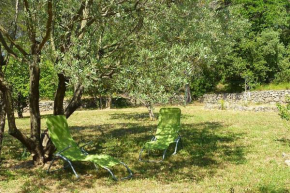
x=97, y=168
x=65, y=159
x=176, y=145
x=140, y=154
x=128, y=170
x=69, y=162
x=51, y=165
x=115, y=178
x=112, y=174
x=164, y=153
x=156, y=161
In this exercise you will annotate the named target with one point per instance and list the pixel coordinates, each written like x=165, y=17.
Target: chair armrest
x=82, y=147
x=88, y=143
x=64, y=149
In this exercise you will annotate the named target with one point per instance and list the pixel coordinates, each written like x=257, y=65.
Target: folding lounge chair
x=166, y=134
x=69, y=151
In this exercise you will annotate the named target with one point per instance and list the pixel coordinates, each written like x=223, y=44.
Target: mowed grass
x=223, y=151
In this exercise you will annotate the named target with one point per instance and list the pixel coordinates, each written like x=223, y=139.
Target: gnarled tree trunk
x=2, y=121
x=2, y=104
x=187, y=94
x=37, y=150
x=21, y=103
x=109, y=102
x=75, y=101
x=101, y=101
x=12, y=129
x=59, y=95
x=58, y=109
x=150, y=111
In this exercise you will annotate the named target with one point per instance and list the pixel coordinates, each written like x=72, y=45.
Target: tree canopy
x=142, y=49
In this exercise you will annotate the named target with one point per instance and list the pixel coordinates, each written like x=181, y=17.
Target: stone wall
x=86, y=104
x=253, y=101
x=48, y=105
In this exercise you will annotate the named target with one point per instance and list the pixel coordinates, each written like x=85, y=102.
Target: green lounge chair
x=166, y=134
x=69, y=151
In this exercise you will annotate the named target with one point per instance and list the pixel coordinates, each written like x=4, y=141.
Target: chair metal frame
x=176, y=141
x=59, y=155
x=62, y=154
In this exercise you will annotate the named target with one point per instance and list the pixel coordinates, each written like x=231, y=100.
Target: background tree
x=4, y=58
x=27, y=48
x=250, y=40
x=202, y=36
x=17, y=74
x=48, y=80
x=89, y=52
x=262, y=53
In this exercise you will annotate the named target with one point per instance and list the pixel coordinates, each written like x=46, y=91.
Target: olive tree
x=82, y=39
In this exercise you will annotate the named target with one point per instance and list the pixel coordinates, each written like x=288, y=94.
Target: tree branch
x=75, y=101
x=78, y=15
x=31, y=30
x=9, y=50
x=10, y=115
x=113, y=47
x=48, y=25
x=89, y=23
x=67, y=37
x=15, y=18
x=6, y=34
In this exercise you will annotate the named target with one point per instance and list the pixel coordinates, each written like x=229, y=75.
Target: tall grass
x=273, y=86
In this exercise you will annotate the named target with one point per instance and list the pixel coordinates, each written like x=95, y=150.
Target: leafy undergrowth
x=223, y=151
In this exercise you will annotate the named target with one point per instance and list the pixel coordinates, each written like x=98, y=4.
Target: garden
x=89, y=85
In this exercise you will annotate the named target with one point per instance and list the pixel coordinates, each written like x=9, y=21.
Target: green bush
x=284, y=110
x=48, y=80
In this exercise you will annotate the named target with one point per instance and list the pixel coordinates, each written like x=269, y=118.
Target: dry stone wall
x=86, y=103
x=246, y=101
x=48, y=105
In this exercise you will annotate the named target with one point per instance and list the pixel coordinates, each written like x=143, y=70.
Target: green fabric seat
x=167, y=131
x=69, y=150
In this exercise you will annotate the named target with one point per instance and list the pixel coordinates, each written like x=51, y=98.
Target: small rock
x=287, y=162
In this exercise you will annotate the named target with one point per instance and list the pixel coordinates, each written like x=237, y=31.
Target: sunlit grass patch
x=273, y=86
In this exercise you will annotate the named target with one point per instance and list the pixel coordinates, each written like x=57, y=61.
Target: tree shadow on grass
x=272, y=189
x=207, y=147
x=123, y=142
x=103, y=134
x=284, y=141
x=131, y=116
x=139, y=116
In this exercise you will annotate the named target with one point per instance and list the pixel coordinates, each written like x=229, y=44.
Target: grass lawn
x=223, y=151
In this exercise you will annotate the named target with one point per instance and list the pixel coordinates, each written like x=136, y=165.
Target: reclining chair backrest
x=169, y=122
x=59, y=132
